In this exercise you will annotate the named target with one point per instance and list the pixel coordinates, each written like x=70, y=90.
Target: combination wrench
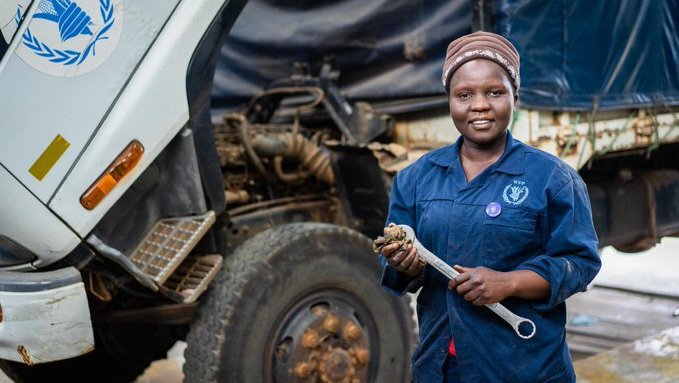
x=428, y=257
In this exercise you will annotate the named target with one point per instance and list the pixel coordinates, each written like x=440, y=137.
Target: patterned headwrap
x=482, y=45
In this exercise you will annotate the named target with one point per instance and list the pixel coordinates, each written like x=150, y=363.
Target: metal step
x=168, y=243
x=194, y=275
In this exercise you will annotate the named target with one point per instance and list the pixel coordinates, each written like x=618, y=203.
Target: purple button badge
x=493, y=209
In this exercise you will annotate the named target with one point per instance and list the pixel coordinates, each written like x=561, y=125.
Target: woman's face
x=481, y=102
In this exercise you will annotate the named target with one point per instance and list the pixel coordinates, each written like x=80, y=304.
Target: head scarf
x=482, y=45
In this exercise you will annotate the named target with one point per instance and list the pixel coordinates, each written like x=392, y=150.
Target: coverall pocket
x=509, y=239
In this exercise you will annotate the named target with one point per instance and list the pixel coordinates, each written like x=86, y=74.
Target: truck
x=164, y=179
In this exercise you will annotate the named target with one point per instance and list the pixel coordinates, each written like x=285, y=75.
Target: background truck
x=147, y=200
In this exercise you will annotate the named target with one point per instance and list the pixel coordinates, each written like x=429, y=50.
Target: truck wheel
x=300, y=302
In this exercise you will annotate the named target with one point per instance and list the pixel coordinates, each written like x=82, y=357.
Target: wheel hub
x=322, y=343
x=336, y=365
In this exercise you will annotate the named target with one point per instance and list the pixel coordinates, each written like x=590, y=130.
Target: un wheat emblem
x=515, y=194
x=72, y=21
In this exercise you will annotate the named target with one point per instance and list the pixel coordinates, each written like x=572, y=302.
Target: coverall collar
x=450, y=157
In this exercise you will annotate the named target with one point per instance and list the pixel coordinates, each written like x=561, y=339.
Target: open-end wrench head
x=410, y=233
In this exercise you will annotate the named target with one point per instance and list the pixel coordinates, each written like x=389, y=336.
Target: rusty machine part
x=322, y=340
x=273, y=141
x=258, y=159
x=236, y=197
x=310, y=156
x=97, y=287
x=276, y=146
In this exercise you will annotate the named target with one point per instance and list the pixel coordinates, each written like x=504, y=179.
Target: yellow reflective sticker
x=49, y=157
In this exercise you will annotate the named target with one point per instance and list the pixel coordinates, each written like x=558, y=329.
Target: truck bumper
x=44, y=316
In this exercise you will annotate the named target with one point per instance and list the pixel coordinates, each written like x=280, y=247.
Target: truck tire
x=300, y=301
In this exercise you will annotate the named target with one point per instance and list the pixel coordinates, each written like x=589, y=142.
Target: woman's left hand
x=481, y=285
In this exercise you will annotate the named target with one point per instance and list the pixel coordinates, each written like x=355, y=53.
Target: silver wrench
x=514, y=320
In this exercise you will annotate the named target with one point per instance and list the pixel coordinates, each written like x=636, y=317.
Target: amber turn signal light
x=121, y=166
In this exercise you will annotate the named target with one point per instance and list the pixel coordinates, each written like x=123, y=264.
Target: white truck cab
x=80, y=81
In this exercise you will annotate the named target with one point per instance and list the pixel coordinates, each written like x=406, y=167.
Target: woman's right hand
x=405, y=261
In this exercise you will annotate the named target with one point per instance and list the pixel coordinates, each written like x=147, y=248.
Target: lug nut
x=310, y=339
x=319, y=310
x=331, y=324
x=362, y=355
x=303, y=370
x=351, y=332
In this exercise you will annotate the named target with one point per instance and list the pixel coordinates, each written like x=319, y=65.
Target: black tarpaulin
x=383, y=48
x=575, y=54
x=584, y=54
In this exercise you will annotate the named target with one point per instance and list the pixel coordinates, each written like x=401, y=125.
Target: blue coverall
x=545, y=225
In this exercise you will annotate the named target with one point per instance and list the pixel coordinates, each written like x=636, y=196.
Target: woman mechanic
x=514, y=221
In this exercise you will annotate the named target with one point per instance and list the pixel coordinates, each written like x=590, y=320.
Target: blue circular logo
x=70, y=37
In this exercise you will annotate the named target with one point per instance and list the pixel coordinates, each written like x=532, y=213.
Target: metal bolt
x=303, y=370
x=362, y=355
x=331, y=324
x=319, y=310
x=351, y=332
x=310, y=339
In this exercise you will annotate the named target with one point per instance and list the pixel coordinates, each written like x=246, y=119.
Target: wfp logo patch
x=70, y=37
x=515, y=193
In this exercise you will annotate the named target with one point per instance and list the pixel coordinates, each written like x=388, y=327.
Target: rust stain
x=24, y=355
x=88, y=349
x=56, y=300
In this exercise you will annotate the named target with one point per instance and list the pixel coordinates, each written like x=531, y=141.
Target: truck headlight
x=11, y=253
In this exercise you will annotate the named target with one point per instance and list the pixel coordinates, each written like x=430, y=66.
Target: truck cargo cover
x=583, y=55
x=575, y=55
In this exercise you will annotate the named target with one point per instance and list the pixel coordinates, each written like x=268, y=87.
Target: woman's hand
x=483, y=286
x=405, y=261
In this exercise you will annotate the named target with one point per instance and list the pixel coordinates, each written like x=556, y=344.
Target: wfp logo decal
x=70, y=37
x=515, y=193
